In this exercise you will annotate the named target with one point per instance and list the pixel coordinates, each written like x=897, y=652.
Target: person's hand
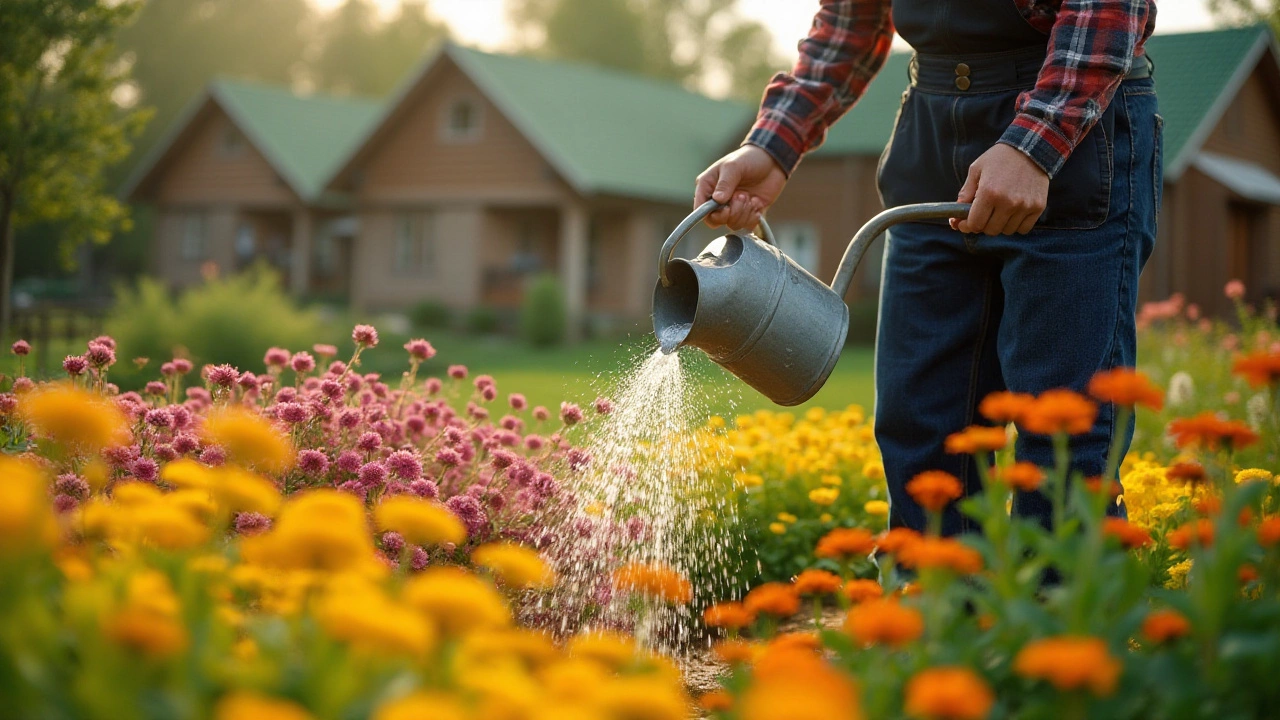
x=747, y=180
x=1008, y=192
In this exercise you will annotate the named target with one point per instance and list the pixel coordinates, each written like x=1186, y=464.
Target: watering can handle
x=697, y=216
x=878, y=224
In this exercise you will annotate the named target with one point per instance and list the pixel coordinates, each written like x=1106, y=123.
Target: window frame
x=451, y=133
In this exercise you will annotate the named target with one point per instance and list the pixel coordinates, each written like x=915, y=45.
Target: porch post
x=300, y=255
x=573, y=264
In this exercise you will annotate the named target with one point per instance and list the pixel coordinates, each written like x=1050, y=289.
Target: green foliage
x=482, y=320
x=232, y=320
x=863, y=315
x=1247, y=11
x=543, y=317
x=366, y=56
x=430, y=315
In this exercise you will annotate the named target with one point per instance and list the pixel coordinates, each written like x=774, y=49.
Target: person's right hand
x=747, y=180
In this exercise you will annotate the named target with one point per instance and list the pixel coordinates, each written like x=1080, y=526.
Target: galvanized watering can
x=756, y=312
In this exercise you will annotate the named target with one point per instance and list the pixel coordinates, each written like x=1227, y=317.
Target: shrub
x=863, y=315
x=543, y=317
x=483, y=320
x=232, y=320
x=430, y=314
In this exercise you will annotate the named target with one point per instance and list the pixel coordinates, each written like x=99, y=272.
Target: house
x=484, y=170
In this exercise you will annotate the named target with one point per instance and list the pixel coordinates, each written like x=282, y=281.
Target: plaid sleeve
x=846, y=47
x=1092, y=45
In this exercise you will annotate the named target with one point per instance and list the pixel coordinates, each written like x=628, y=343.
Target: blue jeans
x=965, y=316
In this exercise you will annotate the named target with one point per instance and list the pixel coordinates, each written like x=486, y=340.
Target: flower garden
x=304, y=540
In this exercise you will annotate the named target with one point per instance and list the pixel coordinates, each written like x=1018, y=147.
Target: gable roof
x=304, y=138
x=604, y=131
x=1197, y=75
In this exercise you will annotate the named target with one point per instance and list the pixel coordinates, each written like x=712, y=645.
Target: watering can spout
x=756, y=312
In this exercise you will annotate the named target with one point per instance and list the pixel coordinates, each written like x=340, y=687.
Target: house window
x=195, y=231
x=232, y=143
x=462, y=121
x=799, y=241
x=415, y=244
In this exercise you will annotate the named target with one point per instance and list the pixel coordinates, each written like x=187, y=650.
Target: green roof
x=1196, y=74
x=304, y=137
x=606, y=131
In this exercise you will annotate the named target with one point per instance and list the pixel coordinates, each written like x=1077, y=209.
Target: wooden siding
x=411, y=159
x=200, y=171
x=453, y=278
x=1250, y=126
x=170, y=264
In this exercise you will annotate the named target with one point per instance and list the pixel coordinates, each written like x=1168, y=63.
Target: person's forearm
x=846, y=47
x=1091, y=47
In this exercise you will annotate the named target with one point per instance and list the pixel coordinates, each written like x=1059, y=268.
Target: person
x=1043, y=115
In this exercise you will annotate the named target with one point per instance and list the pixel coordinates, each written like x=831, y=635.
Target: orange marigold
x=1130, y=535
x=1189, y=472
x=977, y=438
x=1165, y=625
x=1247, y=573
x=1070, y=663
x=798, y=640
x=715, y=700
x=1024, y=476
x=653, y=580
x=948, y=553
x=845, y=543
x=791, y=682
x=1058, y=411
x=895, y=540
x=1005, y=407
x=773, y=598
x=862, y=590
x=948, y=693
x=816, y=582
x=729, y=615
x=1259, y=369
x=1112, y=487
x=1210, y=431
x=735, y=652
x=1126, y=386
x=1199, y=532
x=1269, y=531
x=884, y=622
x=933, y=489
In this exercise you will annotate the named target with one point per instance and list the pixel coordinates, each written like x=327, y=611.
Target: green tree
x=686, y=41
x=363, y=55
x=59, y=126
x=1247, y=11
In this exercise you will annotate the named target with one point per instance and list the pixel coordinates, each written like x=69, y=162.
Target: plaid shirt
x=1092, y=45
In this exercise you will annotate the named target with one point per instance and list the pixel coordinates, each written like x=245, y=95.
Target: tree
x=1247, y=11
x=684, y=41
x=59, y=126
x=365, y=56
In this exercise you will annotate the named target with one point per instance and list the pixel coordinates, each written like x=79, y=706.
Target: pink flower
x=276, y=357
x=349, y=419
x=603, y=406
x=503, y=459
x=483, y=381
x=349, y=461
x=73, y=485
x=534, y=442
x=1231, y=398
x=303, y=362
x=221, y=375
x=292, y=413
x=75, y=365
x=1230, y=342
x=1193, y=312
x=517, y=401
x=448, y=457
x=372, y=474
x=213, y=456
x=168, y=369
x=469, y=511
x=578, y=459
x=420, y=559
x=405, y=465
x=424, y=488
x=489, y=393
x=252, y=523
x=21, y=347
x=432, y=386
x=165, y=452
x=570, y=414
x=458, y=372
x=392, y=542
x=1234, y=289
x=184, y=444
x=324, y=351
x=420, y=349
x=22, y=385
x=8, y=403
x=248, y=381
x=155, y=387
x=105, y=340
x=182, y=366
x=365, y=336
x=100, y=355
x=145, y=469
x=369, y=441
x=63, y=504
x=476, y=411
x=159, y=418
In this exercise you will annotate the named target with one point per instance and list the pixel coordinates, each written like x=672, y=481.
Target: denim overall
x=964, y=316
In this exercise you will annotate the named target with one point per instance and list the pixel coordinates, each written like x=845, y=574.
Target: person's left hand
x=1008, y=192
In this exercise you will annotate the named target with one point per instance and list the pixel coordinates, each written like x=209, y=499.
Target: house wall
x=454, y=277
x=202, y=172
x=168, y=260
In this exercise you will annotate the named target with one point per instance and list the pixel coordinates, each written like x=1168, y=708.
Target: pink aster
x=348, y=461
x=369, y=441
x=603, y=405
x=420, y=349
x=182, y=366
x=372, y=474
x=405, y=465
x=75, y=365
x=458, y=372
x=365, y=336
x=223, y=376
x=432, y=386
x=324, y=351
x=448, y=457
x=155, y=387
x=540, y=413
x=292, y=413
x=276, y=357
x=517, y=401
x=21, y=347
x=570, y=413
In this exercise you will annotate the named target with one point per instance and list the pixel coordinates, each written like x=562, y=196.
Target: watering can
x=756, y=312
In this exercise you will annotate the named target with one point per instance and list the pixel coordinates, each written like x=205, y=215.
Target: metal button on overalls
x=962, y=76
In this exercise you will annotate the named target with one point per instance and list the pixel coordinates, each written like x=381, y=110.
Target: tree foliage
x=686, y=41
x=59, y=126
x=1247, y=11
x=364, y=55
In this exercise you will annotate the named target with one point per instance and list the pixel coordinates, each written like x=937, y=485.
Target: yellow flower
x=186, y=473
x=642, y=697
x=369, y=621
x=1178, y=575
x=824, y=496
x=457, y=600
x=237, y=490
x=610, y=649
x=73, y=417
x=317, y=530
x=485, y=647
x=26, y=521
x=777, y=528
x=249, y=439
x=1252, y=475
x=421, y=522
x=715, y=422
x=244, y=705
x=421, y=705
x=196, y=503
x=873, y=470
x=516, y=566
x=825, y=518
x=167, y=526
x=832, y=480
x=148, y=621
x=748, y=480
x=876, y=508
x=787, y=517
